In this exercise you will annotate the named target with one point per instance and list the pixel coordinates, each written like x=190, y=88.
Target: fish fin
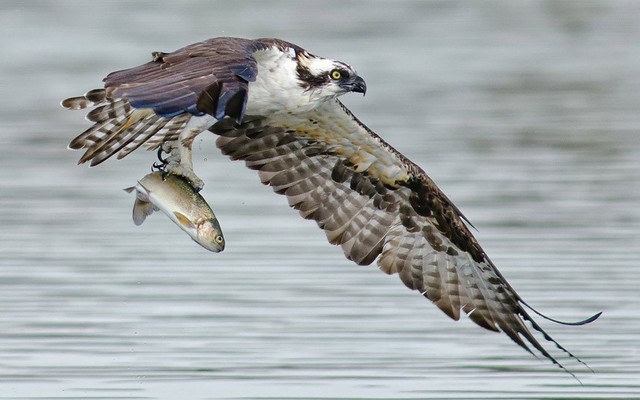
x=183, y=219
x=141, y=210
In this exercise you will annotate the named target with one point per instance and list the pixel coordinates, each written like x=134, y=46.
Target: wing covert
x=207, y=77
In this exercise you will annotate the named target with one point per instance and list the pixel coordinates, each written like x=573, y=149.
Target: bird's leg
x=179, y=161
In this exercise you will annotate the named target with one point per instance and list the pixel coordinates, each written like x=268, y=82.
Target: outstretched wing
x=154, y=102
x=376, y=204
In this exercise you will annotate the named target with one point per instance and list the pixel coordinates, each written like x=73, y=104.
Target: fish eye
x=219, y=239
x=336, y=74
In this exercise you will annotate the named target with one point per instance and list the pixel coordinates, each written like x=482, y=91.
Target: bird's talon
x=187, y=173
x=159, y=166
x=160, y=151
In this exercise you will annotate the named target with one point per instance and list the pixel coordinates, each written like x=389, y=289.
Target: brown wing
x=153, y=102
x=376, y=204
x=206, y=77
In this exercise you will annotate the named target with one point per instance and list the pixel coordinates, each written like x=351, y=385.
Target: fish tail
x=142, y=207
x=141, y=210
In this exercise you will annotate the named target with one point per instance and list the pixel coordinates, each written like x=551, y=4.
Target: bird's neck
x=277, y=88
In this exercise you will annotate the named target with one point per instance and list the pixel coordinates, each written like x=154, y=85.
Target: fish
x=181, y=202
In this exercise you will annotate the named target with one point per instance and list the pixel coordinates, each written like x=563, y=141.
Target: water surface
x=526, y=115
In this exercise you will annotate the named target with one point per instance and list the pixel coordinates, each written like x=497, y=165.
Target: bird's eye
x=335, y=74
x=219, y=239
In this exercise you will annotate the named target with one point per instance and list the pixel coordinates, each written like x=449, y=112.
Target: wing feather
x=173, y=83
x=153, y=102
x=376, y=204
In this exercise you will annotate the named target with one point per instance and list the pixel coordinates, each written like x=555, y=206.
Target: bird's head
x=328, y=78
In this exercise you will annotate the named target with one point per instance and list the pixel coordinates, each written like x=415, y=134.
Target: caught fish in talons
x=181, y=202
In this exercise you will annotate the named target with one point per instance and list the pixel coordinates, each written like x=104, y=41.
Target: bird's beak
x=355, y=84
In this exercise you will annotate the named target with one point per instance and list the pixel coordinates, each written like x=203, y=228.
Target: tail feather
x=164, y=130
x=109, y=111
x=104, y=137
x=119, y=128
x=92, y=98
x=119, y=139
x=91, y=135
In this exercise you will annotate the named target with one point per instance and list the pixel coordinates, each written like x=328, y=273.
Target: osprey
x=275, y=106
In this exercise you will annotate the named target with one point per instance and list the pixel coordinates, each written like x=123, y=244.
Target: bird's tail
x=120, y=128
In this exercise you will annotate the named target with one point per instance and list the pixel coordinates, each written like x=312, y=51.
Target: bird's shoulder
x=208, y=77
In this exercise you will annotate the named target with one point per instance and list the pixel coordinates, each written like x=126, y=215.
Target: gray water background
x=526, y=113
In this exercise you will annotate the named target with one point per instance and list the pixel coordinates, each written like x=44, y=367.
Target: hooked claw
x=162, y=165
x=159, y=153
x=156, y=166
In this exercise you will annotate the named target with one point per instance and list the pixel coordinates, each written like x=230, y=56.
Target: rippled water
x=526, y=114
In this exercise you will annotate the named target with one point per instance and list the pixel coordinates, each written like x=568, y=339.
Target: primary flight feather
x=275, y=106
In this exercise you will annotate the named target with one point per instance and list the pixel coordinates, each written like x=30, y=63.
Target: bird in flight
x=275, y=106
